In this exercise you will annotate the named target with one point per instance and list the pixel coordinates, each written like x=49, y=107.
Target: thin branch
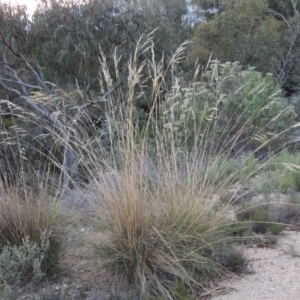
x=23, y=84
x=69, y=161
x=10, y=89
x=90, y=84
x=35, y=74
x=39, y=69
x=294, y=4
x=91, y=103
x=15, y=76
x=281, y=77
x=279, y=15
x=38, y=75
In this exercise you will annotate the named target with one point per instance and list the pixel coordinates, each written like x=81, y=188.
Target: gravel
x=276, y=272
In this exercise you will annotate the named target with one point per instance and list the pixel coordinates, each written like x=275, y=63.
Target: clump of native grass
x=156, y=200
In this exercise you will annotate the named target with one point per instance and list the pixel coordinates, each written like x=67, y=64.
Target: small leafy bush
x=5, y=289
x=257, y=217
x=32, y=230
x=238, y=229
x=288, y=165
x=20, y=263
x=182, y=292
x=261, y=220
x=276, y=228
x=283, y=172
x=288, y=212
x=265, y=182
x=231, y=258
x=8, y=294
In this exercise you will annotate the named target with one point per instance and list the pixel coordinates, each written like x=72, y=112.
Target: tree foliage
x=90, y=46
x=63, y=41
x=245, y=33
x=260, y=33
x=207, y=4
x=287, y=8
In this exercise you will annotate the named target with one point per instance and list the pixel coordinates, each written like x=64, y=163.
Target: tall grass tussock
x=161, y=220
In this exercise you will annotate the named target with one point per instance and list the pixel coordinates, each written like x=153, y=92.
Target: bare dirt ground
x=274, y=272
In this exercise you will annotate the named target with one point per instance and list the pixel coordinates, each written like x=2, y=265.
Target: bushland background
x=143, y=132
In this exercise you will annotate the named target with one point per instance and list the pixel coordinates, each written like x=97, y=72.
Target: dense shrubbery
x=237, y=106
x=65, y=38
x=159, y=177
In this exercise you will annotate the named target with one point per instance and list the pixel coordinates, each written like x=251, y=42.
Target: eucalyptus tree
x=242, y=32
x=63, y=40
x=66, y=43
x=260, y=33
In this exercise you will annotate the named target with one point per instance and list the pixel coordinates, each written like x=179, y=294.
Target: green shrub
x=182, y=292
x=221, y=169
x=261, y=220
x=5, y=290
x=20, y=263
x=8, y=294
x=231, y=108
x=238, y=229
x=294, y=100
x=31, y=222
x=265, y=182
x=257, y=216
x=288, y=212
x=283, y=170
x=55, y=295
x=231, y=258
x=247, y=167
x=276, y=228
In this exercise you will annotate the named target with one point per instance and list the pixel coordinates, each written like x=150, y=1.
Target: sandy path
x=276, y=272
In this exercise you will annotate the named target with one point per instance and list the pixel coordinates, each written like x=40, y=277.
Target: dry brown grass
x=36, y=216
